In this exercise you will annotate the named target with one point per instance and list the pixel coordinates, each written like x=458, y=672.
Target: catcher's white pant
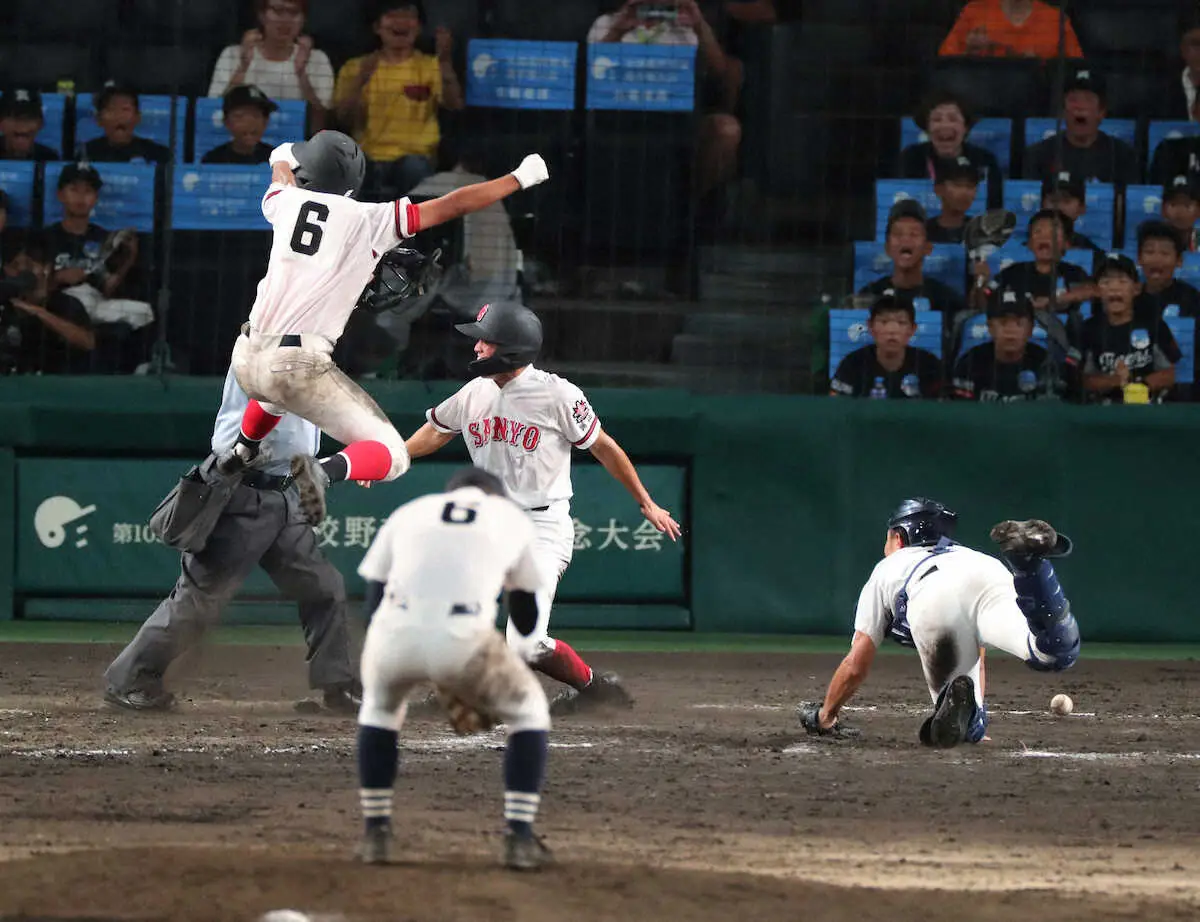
x=554, y=543
x=968, y=602
x=407, y=647
x=305, y=380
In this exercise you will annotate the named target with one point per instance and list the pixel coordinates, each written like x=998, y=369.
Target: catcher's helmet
x=510, y=326
x=922, y=522
x=330, y=162
x=401, y=274
x=475, y=477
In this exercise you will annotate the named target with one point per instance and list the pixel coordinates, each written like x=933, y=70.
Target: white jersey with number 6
x=523, y=432
x=324, y=250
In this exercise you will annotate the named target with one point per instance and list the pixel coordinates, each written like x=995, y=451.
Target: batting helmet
x=922, y=522
x=475, y=477
x=510, y=326
x=330, y=162
x=401, y=274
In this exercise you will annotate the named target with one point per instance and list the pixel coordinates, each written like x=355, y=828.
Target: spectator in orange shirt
x=1010, y=29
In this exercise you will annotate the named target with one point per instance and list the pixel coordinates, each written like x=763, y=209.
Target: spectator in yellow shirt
x=390, y=99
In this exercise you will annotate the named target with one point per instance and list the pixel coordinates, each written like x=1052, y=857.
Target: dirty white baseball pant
x=462, y=654
x=967, y=602
x=554, y=543
x=305, y=380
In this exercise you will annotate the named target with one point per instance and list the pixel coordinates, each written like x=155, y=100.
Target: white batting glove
x=531, y=171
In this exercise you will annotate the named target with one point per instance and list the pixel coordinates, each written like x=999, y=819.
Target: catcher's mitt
x=463, y=718
x=810, y=719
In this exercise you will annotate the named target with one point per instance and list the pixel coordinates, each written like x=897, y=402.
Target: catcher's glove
x=810, y=719
x=463, y=718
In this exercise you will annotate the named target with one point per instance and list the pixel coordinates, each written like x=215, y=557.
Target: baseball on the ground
x=1062, y=705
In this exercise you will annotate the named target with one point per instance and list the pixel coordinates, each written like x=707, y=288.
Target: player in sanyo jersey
x=521, y=424
x=325, y=249
x=433, y=575
x=948, y=601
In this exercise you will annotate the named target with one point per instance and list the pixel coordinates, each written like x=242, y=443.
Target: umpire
x=261, y=524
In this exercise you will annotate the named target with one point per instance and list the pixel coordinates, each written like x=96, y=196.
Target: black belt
x=537, y=508
x=290, y=339
x=257, y=480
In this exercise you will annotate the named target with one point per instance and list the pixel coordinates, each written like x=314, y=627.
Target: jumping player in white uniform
x=949, y=601
x=521, y=423
x=433, y=575
x=325, y=249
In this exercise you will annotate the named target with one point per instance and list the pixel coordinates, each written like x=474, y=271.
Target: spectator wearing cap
x=947, y=121
x=1160, y=256
x=1181, y=208
x=1067, y=195
x=907, y=244
x=247, y=110
x=21, y=119
x=1175, y=157
x=391, y=98
x=1124, y=346
x=1010, y=368
x=1184, y=94
x=1087, y=152
x=41, y=331
x=278, y=59
x=889, y=368
x=118, y=114
x=1011, y=29
x=1047, y=274
x=955, y=183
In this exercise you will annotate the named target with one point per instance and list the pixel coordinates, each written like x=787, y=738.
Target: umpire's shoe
x=376, y=845
x=1030, y=538
x=312, y=481
x=343, y=699
x=138, y=700
x=953, y=715
x=604, y=691
x=525, y=852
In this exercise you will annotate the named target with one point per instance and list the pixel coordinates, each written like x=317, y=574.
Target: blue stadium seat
x=947, y=263
x=975, y=333
x=1158, y=131
x=1190, y=272
x=848, y=331
x=16, y=179
x=1184, y=331
x=993, y=134
x=1124, y=129
x=1023, y=197
x=286, y=124
x=155, y=124
x=219, y=197
x=126, y=200
x=890, y=191
x=1015, y=251
x=54, y=111
x=1142, y=203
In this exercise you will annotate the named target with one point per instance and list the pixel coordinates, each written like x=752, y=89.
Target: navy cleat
x=525, y=852
x=954, y=715
x=376, y=845
x=604, y=691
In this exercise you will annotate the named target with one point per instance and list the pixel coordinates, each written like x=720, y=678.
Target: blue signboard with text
x=220, y=197
x=655, y=78
x=509, y=74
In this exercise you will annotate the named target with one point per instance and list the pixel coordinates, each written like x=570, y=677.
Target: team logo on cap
x=482, y=312
x=1140, y=339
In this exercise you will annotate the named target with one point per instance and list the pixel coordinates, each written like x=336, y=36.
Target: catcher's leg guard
x=1040, y=597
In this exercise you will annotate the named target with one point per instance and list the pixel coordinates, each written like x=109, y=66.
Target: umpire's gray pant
x=258, y=527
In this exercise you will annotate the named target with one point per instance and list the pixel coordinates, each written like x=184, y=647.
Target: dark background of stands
x=652, y=294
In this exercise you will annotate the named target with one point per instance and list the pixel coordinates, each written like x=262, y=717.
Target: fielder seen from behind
x=521, y=423
x=433, y=575
x=325, y=250
x=948, y=601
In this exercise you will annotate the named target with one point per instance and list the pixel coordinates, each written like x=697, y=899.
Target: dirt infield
x=703, y=803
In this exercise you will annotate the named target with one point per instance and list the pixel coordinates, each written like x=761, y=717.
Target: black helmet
x=401, y=274
x=330, y=162
x=922, y=522
x=475, y=477
x=513, y=328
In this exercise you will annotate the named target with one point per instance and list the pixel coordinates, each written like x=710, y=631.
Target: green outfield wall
x=783, y=500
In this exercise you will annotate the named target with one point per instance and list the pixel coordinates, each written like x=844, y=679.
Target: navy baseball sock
x=524, y=769
x=377, y=761
x=336, y=467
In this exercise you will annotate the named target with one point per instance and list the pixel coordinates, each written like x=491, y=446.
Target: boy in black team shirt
x=890, y=368
x=118, y=114
x=1123, y=346
x=908, y=244
x=1181, y=208
x=1067, y=194
x=955, y=183
x=1160, y=254
x=21, y=120
x=1010, y=368
x=247, y=110
x=1049, y=231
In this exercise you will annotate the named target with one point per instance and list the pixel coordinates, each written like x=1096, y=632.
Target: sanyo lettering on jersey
x=501, y=429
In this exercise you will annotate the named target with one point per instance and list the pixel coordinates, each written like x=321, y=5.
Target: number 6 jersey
x=323, y=252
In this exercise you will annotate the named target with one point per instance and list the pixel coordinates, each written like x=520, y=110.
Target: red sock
x=368, y=460
x=257, y=423
x=566, y=666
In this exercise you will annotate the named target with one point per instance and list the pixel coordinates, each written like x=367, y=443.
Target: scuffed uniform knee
x=400, y=459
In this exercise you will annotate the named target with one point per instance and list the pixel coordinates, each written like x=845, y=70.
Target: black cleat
x=1030, y=538
x=312, y=481
x=604, y=691
x=343, y=699
x=375, y=847
x=525, y=852
x=951, y=720
x=138, y=700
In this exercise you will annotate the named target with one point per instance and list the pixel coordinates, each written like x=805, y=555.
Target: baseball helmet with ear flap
x=512, y=328
x=330, y=162
x=922, y=522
